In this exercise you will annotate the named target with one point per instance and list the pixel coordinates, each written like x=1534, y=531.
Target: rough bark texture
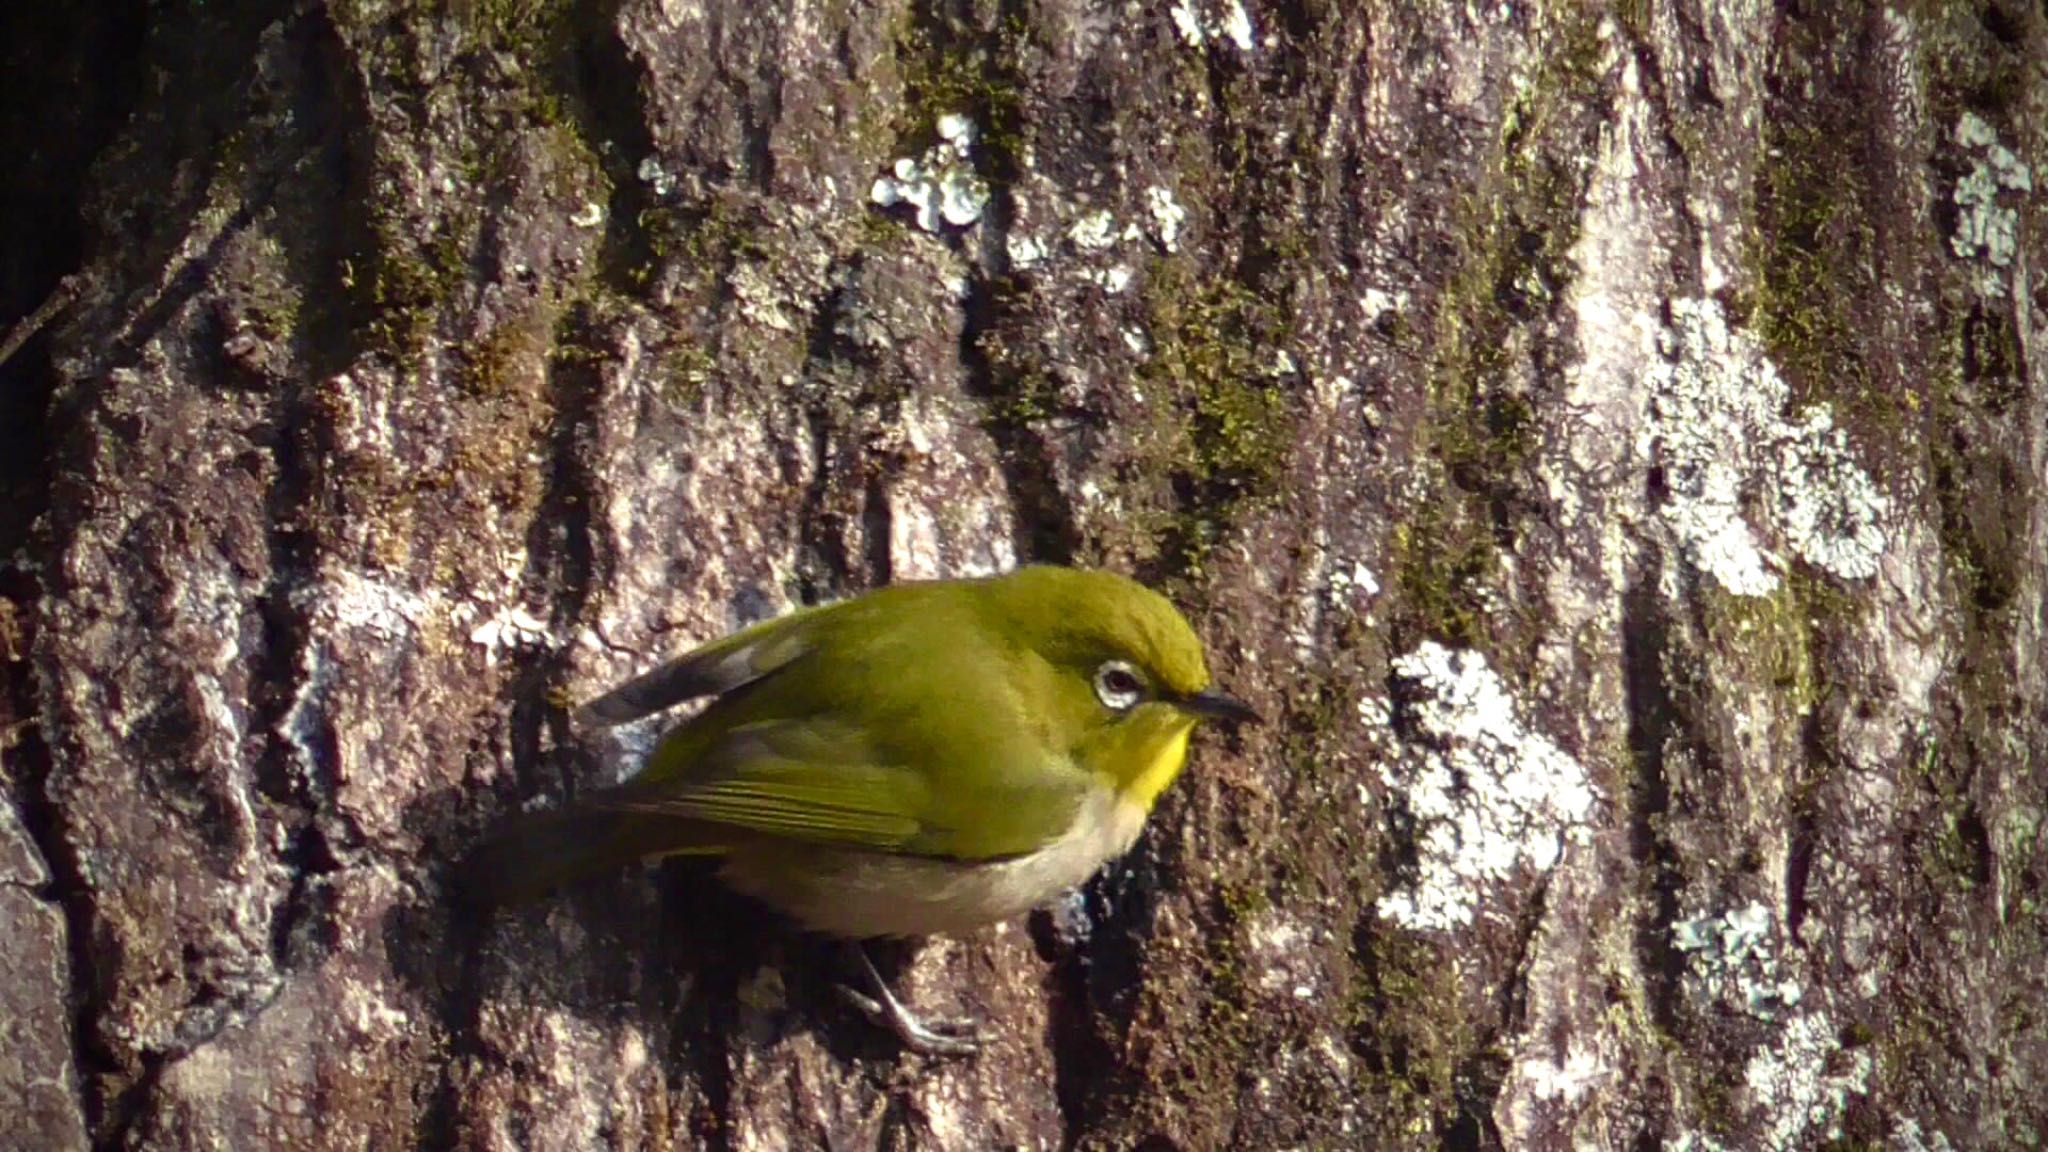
x=1612, y=445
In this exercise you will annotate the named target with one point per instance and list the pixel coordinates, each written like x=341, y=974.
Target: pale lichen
x=1168, y=216
x=1230, y=23
x=1987, y=198
x=510, y=626
x=658, y=179
x=1097, y=236
x=1486, y=798
x=941, y=185
x=1729, y=959
x=1563, y=1080
x=1095, y=232
x=1719, y=433
x=1908, y=1137
x=1798, y=1083
x=1800, y=1086
x=1285, y=951
x=1024, y=251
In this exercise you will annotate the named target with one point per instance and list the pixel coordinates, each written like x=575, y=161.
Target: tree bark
x=1607, y=442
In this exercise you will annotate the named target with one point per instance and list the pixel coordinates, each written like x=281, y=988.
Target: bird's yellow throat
x=1168, y=757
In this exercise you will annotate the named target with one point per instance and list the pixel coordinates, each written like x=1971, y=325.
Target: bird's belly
x=858, y=894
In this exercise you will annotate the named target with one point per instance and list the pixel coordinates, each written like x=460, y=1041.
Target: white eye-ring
x=1119, y=686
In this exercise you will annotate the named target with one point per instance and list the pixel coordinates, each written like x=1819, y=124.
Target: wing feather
x=854, y=805
x=712, y=670
x=820, y=782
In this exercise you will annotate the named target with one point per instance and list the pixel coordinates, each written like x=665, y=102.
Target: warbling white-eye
x=925, y=758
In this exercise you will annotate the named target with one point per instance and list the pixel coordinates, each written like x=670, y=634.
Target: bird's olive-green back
x=954, y=718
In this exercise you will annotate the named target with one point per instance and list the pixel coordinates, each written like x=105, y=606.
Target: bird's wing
x=714, y=669
x=826, y=782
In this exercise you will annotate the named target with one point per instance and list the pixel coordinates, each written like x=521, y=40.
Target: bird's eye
x=1119, y=686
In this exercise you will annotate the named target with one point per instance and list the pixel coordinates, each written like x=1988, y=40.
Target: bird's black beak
x=1214, y=705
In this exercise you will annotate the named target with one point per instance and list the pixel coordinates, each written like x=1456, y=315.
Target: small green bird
x=925, y=758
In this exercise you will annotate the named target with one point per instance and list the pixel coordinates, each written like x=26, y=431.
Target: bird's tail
x=531, y=854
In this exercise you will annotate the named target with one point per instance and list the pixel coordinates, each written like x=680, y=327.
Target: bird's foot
x=956, y=1037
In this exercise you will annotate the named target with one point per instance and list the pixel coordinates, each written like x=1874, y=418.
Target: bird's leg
x=939, y=1038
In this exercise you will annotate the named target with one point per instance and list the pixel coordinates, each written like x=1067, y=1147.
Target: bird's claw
x=956, y=1037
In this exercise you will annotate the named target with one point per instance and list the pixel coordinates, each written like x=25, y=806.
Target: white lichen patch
x=1095, y=232
x=1167, y=217
x=1829, y=509
x=1564, y=1080
x=1907, y=1137
x=1485, y=798
x=1799, y=1082
x=1357, y=580
x=1730, y=959
x=1719, y=432
x=345, y=599
x=658, y=179
x=1098, y=237
x=941, y=185
x=1285, y=952
x=509, y=627
x=1024, y=251
x=1376, y=302
x=1987, y=202
x=1803, y=1081
x=1113, y=279
x=1230, y=22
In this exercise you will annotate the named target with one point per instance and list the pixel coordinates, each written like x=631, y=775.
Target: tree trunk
x=1610, y=446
